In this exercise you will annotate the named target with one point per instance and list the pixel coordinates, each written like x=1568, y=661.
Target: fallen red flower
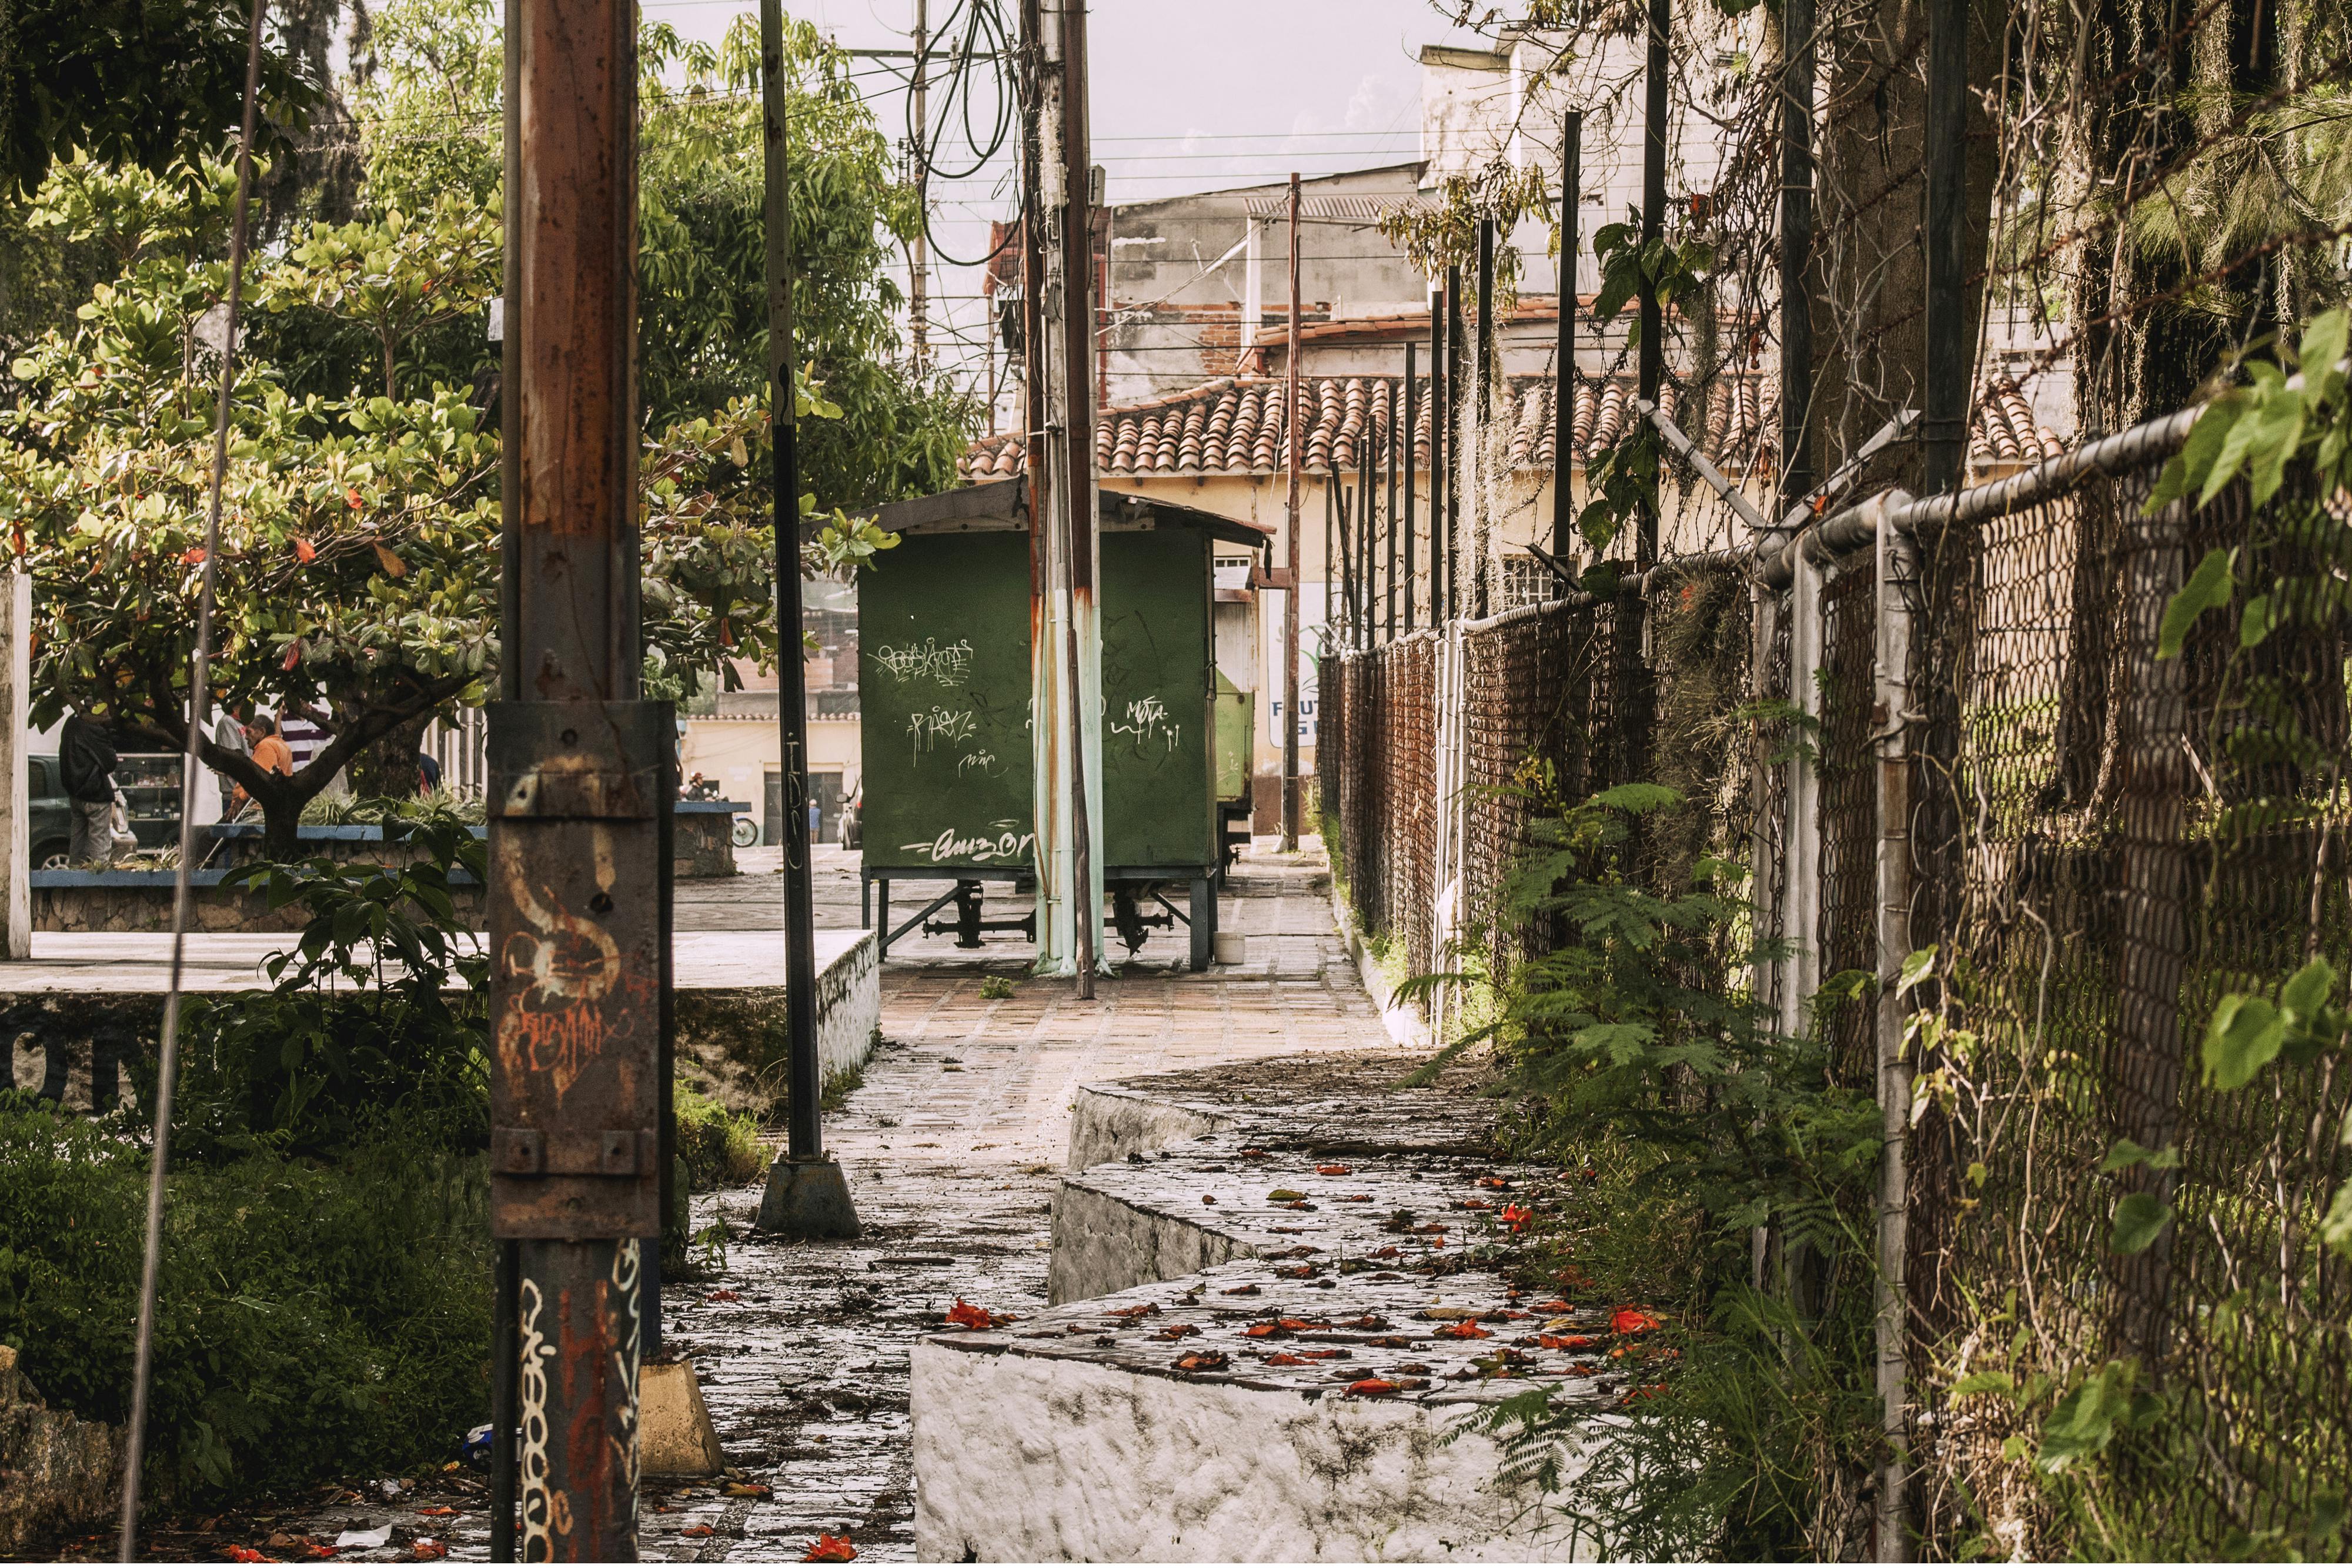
x=1334, y=1170
x=1177, y=1331
x=1515, y=1217
x=1201, y=1361
x=245, y=1554
x=1285, y=1360
x=831, y=1549
x=1370, y=1386
x=697, y=1531
x=428, y=1550
x=1497, y=1182
x=720, y=1296
x=436, y=1512
x=1630, y=1320
x=964, y=1315
x=1145, y=1310
x=1465, y=1329
x=1564, y=1341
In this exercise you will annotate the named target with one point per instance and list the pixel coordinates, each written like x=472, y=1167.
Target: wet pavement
x=953, y=1147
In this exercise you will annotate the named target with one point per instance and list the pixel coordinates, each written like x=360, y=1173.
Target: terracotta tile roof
x=1233, y=426
x=2005, y=430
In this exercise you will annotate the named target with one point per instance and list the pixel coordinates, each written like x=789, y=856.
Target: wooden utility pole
x=580, y=788
x=1296, y=449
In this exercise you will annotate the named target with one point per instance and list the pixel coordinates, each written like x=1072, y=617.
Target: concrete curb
x=1402, y=1020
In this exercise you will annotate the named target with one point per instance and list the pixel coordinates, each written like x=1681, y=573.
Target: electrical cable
x=143, y=1364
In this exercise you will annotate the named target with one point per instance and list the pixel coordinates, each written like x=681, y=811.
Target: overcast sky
x=1189, y=95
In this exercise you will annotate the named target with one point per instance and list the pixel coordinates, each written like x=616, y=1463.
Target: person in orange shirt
x=270, y=752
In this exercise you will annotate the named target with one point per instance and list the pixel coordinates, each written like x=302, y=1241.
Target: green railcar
x=944, y=628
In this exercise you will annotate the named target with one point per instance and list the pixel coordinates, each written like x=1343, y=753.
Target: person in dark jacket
x=85, y=764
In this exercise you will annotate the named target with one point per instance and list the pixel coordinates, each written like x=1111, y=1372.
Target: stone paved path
x=952, y=1148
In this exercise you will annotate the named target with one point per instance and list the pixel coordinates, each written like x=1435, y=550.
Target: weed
x=996, y=988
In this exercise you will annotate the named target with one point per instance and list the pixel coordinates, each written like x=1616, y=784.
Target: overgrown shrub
x=314, y=1320
x=715, y=1148
x=362, y=1025
x=1632, y=1051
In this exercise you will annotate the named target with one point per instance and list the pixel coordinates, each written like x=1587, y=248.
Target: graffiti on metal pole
x=541, y=1503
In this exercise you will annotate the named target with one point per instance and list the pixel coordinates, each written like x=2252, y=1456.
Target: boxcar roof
x=1003, y=504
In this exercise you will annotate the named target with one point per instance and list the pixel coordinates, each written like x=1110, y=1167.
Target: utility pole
x=580, y=787
x=1296, y=445
x=1652, y=371
x=918, y=254
x=1065, y=660
x=1571, y=162
x=1412, y=414
x=807, y=1196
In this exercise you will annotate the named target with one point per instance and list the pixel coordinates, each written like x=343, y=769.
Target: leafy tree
x=432, y=113
x=138, y=83
x=359, y=539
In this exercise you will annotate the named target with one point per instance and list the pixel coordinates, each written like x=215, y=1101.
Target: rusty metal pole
x=578, y=774
x=1296, y=449
x=807, y=1196
x=1407, y=425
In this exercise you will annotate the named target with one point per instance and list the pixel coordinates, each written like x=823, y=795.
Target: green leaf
x=1986, y=1383
x=2242, y=1036
x=2259, y=620
x=2210, y=585
x=2084, y=1421
x=2322, y=347
x=1915, y=969
x=2305, y=996
x=1638, y=797
x=2336, y=1227
x=2127, y=1154
x=2140, y=1218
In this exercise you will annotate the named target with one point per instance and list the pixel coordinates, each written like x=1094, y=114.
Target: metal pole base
x=808, y=1200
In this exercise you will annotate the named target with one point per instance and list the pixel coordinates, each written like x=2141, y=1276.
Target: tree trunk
x=281, y=820
x=388, y=767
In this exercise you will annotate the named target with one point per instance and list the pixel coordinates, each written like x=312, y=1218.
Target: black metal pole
x=1389, y=532
x=1368, y=496
x=1437, y=463
x=1482, y=573
x=1563, y=506
x=1332, y=599
x=1652, y=362
x=1943, y=423
x=1796, y=252
x=806, y=1194
x=1409, y=425
x=1455, y=345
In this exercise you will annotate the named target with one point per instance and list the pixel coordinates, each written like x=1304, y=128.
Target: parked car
x=151, y=792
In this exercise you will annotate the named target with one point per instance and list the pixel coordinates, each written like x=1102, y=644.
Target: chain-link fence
x=2098, y=842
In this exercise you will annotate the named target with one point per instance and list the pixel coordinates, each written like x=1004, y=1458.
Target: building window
x=1527, y=581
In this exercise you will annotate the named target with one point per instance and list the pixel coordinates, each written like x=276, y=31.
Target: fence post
x=1898, y=566
x=1801, y=838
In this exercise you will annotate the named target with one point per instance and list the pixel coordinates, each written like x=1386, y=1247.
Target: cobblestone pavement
x=952, y=1146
